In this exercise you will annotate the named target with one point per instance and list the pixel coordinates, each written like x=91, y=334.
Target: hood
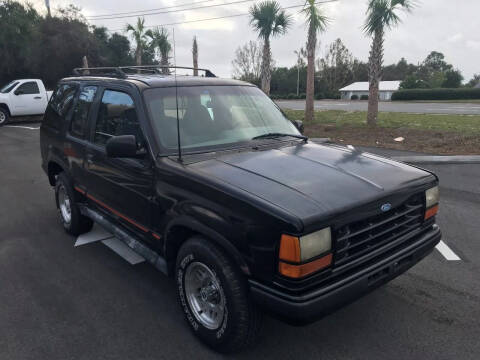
x=308, y=180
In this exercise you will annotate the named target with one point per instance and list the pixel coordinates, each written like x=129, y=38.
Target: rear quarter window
x=60, y=104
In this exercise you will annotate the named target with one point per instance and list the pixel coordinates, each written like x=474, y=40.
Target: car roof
x=159, y=80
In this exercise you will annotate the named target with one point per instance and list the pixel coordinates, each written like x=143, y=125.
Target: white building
x=387, y=88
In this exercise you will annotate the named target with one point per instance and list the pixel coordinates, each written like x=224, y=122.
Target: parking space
x=58, y=301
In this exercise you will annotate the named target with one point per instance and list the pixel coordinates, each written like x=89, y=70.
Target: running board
x=142, y=250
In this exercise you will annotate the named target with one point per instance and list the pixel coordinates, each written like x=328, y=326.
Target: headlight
x=300, y=249
x=432, y=197
x=296, y=253
x=315, y=244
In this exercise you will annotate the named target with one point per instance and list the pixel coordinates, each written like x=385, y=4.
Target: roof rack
x=100, y=71
x=121, y=71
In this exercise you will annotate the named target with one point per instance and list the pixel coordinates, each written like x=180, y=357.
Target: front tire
x=4, y=116
x=214, y=299
x=73, y=221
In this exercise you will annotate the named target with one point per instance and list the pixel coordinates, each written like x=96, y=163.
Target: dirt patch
x=431, y=142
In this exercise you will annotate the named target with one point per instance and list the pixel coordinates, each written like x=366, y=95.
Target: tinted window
x=116, y=116
x=62, y=99
x=28, y=88
x=82, y=109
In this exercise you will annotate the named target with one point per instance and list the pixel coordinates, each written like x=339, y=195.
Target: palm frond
x=315, y=19
x=383, y=14
x=268, y=18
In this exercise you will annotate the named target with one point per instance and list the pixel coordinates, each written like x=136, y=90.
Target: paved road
x=61, y=302
x=402, y=107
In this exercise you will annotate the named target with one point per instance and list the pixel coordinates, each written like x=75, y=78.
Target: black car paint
x=243, y=199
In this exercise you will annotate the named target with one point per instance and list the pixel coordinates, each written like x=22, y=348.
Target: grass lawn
x=431, y=133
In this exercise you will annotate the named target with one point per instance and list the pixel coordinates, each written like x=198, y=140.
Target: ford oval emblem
x=386, y=207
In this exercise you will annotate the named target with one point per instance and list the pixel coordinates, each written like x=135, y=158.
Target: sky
x=450, y=27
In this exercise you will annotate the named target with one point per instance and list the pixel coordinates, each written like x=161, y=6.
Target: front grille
x=361, y=237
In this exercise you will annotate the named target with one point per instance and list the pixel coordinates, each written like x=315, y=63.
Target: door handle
x=38, y=97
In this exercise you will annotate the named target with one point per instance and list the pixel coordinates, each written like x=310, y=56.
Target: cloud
x=455, y=38
x=441, y=25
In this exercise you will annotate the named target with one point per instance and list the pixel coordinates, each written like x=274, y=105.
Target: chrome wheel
x=64, y=204
x=3, y=117
x=204, y=295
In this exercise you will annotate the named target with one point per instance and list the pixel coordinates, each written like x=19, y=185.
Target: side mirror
x=124, y=146
x=18, y=92
x=299, y=125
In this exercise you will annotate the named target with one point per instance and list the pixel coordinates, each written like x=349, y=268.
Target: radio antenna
x=176, y=98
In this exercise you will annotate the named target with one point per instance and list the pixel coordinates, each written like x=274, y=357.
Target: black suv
x=213, y=185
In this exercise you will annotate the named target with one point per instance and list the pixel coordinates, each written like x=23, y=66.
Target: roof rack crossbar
x=208, y=73
x=119, y=72
x=96, y=71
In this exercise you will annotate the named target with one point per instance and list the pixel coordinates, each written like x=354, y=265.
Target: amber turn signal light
x=431, y=212
x=300, y=271
x=289, y=248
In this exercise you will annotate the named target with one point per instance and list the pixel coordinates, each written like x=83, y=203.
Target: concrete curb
x=424, y=159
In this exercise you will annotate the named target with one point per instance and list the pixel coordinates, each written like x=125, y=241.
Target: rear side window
x=117, y=116
x=59, y=105
x=28, y=88
x=82, y=110
x=62, y=99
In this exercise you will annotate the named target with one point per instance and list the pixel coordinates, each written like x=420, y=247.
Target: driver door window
x=117, y=116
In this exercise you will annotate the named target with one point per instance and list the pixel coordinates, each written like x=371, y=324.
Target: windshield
x=7, y=88
x=214, y=116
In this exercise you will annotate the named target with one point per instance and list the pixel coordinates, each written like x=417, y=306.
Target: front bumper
x=309, y=307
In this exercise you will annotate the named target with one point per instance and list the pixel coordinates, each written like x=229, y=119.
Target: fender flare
x=60, y=163
x=194, y=225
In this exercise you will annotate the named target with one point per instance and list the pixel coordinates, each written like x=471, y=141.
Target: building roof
x=363, y=86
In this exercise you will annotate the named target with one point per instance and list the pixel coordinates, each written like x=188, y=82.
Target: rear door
x=121, y=187
x=27, y=99
x=77, y=132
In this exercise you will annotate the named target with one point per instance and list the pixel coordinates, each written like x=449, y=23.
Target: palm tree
x=140, y=35
x=381, y=15
x=160, y=41
x=269, y=20
x=316, y=22
x=195, y=56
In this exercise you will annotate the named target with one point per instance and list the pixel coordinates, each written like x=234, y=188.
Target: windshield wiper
x=273, y=135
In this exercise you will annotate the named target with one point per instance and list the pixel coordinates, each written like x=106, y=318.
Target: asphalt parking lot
x=61, y=302
x=387, y=106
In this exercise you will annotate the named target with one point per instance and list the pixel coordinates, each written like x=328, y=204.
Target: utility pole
x=47, y=4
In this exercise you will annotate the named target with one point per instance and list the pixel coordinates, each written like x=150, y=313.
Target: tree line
x=338, y=68
x=49, y=47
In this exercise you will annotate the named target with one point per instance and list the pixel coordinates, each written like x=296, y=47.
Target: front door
x=121, y=187
x=27, y=100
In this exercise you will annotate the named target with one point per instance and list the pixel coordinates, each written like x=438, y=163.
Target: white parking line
x=447, y=252
x=22, y=127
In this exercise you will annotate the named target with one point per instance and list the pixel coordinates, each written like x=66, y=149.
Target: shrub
x=364, y=97
x=436, y=94
x=274, y=97
x=320, y=96
x=354, y=97
x=292, y=96
x=302, y=96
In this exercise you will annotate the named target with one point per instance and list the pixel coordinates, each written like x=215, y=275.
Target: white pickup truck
x=24, y=97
